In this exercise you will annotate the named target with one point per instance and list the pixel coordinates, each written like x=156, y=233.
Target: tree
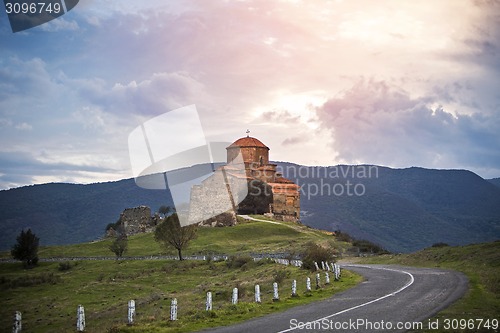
x=170, y=233
x=164, y=210
x=119, y=245
x=26, y=248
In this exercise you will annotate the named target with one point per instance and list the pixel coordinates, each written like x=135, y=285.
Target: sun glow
x=301, y=106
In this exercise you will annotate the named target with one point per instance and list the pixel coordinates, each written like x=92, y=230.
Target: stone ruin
x=134, y=221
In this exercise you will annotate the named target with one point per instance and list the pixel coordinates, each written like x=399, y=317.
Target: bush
x=280, y=276
x=440, y=244
x=29, y=280
x=315, y=253
x=117, y=226
x=366, y=246
x=239, y=261
x=64, y=266
x=343, y=236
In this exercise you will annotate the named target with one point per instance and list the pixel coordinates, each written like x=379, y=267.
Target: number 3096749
x=33, y=7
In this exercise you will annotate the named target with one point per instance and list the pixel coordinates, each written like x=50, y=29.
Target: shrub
x=280, y=275
x=239, y=261
x=30, y=280
x=64, y=266
x=315, y=253
x=440, y=244
x=366, y=246
x=343, y=236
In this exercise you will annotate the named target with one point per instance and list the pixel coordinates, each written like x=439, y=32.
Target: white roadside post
x=234, y=299
x=18, y=326
x=317, y=281
x=316, y=266
x=80, y=319
x=173, y=310
x=257, y=293
x=327, y=278
x=327, y=267
x=294, y=288
x=308, y=284
x=208, y=305
x=276, y=296
x=131, y=311
x=323, y=265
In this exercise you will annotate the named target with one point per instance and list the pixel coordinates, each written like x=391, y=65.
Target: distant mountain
x=70, y=213
x=400, y=209
x=495, y=181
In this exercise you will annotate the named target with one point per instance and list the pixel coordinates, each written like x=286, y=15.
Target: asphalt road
x=391, y=299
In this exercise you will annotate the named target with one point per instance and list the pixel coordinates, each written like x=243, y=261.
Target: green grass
x=48, y=296
x=244, y=238
x=481, y=264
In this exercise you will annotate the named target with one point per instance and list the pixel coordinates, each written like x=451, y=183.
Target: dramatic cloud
x=375, y=122
x=320, y=82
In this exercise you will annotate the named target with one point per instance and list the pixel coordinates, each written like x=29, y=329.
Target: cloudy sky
x=394, y=83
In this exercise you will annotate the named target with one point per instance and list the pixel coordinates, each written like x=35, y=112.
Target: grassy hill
x=481, y=264
x=48, y=295
x=403, y=210
x=245, y=238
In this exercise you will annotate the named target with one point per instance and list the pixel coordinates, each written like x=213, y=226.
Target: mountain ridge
x=401, y=209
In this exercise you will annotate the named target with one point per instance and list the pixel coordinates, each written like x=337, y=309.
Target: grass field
x=48, y=295
x=481, y=264
x=244, y=238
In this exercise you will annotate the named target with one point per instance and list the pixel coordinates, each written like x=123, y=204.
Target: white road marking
x=409, y=283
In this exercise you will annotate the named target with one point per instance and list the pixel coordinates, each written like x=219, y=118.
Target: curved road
x=390, y=298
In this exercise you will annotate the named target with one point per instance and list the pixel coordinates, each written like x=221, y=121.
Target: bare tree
x=170, y=233
x=119, y=245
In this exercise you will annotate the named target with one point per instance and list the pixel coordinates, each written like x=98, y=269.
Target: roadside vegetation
x=49, y=294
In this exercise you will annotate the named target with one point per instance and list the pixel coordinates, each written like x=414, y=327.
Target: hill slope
x=48, y=295
x=495, y=181
x=70, y=213
x=405, y=209
x=400, y=209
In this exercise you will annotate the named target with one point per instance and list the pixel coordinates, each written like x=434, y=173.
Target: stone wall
x=286, y=202
x=137, y=220
x=216, y=195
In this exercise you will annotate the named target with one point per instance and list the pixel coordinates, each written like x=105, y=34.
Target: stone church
x=265, y=190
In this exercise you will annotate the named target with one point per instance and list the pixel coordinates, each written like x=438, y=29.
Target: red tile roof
x=247, y=141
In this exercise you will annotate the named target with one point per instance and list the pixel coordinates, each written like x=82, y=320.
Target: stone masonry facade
x=266, y=190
